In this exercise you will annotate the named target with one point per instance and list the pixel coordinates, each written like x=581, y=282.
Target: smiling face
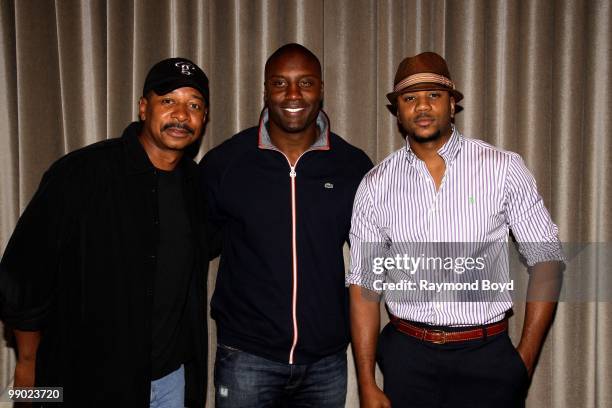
x=173, y=121
x=426, y=115
x=293, y=92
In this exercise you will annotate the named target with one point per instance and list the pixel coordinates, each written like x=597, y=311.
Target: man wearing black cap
x=429, y=232
x=103, y=279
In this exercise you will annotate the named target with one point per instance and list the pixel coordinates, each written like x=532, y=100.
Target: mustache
x=423, y=116
x=178, y=125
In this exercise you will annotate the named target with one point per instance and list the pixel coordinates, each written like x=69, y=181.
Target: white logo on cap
x=185, y=67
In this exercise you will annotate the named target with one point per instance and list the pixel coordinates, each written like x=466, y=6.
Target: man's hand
x=542, y=294
x=24, y=374
x=372, y=397
x=25, y=369
x=365, y=325
x=528, y=358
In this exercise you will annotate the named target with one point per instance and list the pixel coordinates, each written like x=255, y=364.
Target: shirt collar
x=322, y=142
x=137, y=159
x=448, y=152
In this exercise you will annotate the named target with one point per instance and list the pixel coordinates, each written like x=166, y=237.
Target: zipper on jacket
x=292, y=175
x=294, y=264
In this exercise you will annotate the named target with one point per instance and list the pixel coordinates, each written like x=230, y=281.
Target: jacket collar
x=137, y=160
x=322, y=142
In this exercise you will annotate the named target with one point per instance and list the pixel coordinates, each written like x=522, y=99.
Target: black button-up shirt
x=80, y=267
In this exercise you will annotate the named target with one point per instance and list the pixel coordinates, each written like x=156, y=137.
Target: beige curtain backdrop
x=536, y=75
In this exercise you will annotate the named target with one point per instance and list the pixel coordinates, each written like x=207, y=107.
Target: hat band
x=425, y=77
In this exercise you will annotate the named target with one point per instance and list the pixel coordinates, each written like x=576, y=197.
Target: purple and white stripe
x=485, y=192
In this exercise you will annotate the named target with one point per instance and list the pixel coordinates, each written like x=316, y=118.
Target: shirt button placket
x=432, y=222
x=153, y=257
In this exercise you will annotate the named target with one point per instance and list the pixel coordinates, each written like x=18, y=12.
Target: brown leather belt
x=442, y=337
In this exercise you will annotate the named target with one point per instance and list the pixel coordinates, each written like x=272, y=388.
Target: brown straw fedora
x=423, y=72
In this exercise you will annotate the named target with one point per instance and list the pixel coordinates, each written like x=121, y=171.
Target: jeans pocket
x=225, y=352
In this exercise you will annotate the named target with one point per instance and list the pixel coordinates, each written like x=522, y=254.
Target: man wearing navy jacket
x=282, y=194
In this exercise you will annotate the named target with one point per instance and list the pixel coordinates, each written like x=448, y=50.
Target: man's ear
x=142, y=108
x=265, y=94
x=452, y=107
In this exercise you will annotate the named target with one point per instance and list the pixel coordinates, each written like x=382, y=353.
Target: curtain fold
x=536, y=76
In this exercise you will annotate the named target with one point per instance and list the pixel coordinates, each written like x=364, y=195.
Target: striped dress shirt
x=485, y=193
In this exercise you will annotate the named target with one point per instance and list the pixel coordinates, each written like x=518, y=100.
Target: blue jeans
x=243, y=380
x=169, y=391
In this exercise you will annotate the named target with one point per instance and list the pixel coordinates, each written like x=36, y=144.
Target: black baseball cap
x=173, y=73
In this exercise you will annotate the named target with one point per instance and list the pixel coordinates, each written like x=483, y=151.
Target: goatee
x=421, y=139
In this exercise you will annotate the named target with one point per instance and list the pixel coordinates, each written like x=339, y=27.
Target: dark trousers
x=486, y=373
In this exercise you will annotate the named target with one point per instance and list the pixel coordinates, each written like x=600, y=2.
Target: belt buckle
x=440, y=333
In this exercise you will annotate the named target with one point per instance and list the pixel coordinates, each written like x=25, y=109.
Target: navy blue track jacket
x=280, y=290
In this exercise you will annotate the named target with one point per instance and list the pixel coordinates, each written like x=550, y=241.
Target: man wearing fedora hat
x=104, y=277
x=446, y=197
